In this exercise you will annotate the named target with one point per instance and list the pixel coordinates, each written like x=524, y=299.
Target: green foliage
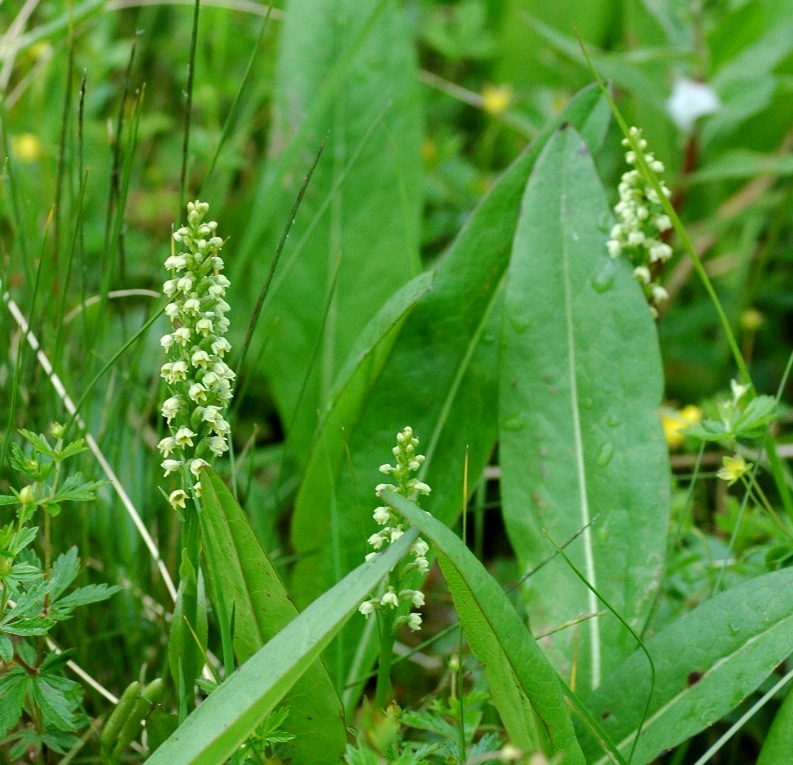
x=418, y=198
x=39, y=707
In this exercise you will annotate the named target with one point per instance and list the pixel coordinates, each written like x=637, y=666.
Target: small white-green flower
x=409, y=486
x=199, y=381
x=641, y=222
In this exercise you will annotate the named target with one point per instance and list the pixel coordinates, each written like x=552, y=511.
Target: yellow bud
x=496, y=98
x=751, y=320
x=27, y=496
x=26, y=147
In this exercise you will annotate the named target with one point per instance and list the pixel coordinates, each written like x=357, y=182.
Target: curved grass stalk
x=70, y=407
x=743, y=719
x=627, y=626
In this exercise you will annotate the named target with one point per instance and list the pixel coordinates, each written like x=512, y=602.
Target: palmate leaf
x=581, y=446
x=441, y=377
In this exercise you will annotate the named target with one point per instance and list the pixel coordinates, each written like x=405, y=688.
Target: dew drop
x=606, y=453
x=519, y=323
x=516, y=422
x=603, y=280
x=614, y=421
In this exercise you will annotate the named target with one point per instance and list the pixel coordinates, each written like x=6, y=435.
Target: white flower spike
x=198, y=379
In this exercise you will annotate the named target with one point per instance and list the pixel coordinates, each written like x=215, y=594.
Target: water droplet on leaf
x=603, y=280
x=606, y=453
x=516, y=422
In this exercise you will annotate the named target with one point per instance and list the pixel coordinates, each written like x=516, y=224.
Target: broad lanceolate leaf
x=441, y=378
x=347, y=73
x=214, y=731
x=707, y=662
x=524, y=686
x=581, y=446
x=254, y=593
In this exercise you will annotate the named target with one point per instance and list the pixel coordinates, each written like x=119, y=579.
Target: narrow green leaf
x=581, y=447
x=525, y=687
x=776, y=749
x=255, y=594
x=214, y=731
x=441, y=378
x=707, y=662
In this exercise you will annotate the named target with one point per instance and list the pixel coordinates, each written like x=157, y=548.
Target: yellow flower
x=673, y=421
x=496, y=98
x=734, y=468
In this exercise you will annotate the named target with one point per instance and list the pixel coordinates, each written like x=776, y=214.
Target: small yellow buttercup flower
x=674, y=421
x=734, y=468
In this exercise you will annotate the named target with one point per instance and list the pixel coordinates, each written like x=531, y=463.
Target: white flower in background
x=410, y=487
x=641, y=222
x=689, y=101
x=198, y=379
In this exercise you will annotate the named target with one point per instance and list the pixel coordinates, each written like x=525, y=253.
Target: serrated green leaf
x=254, y=593
x=581, y=447
x=75, y=489
x=55, y=697
x=13, y=686
x=6, y=648
x=92, y=593
x=39, y=442
x=215, y=730
x=76, y=447
x=707, y=662
x=525, y=688
x=64, y=571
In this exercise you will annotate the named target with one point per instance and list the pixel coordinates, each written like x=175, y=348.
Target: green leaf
x=39, y=442
x=707, y=662
x=13, y=686
x=63, y=573
x=441, y=378
x=525, y=688
x=75, y=489
x=776, y=749
x=224, y=720
x=581, y=446
x=57, y=699
x=92, y=593
x=355, y=237
x=254, y=593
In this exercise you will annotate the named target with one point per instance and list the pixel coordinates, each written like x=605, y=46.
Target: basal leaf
x=581, y=447
x=441, y=378
x=255, y=595
x=707, y=662
x=215, y=730
x=346, y=73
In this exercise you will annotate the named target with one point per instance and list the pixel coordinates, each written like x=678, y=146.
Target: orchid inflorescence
x=407, y=463
x=198, y=379
x=642, y=221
